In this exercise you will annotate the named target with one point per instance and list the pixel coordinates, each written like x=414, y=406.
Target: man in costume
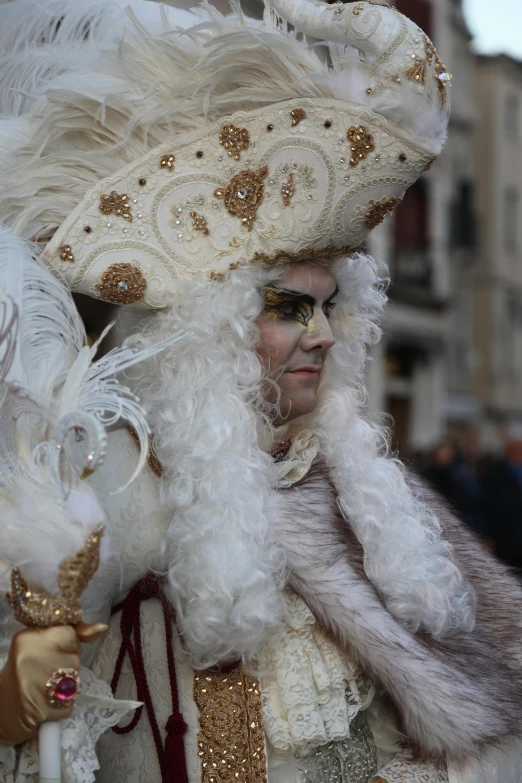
x=284, y=600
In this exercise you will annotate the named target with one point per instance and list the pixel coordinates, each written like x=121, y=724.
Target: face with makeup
x=295, y=335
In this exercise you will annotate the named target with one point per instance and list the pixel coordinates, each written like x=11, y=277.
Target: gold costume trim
x=231, y=741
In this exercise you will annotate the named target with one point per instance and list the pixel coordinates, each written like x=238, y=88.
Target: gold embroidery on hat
x=167, y=162
x=361, y=143
x=429, y=165
x=122, y=284
x=288, y=190
x=234, y=140
x=297, y=115
x=66, y=254
x=199, y=222
x=379, y=209
x=116, y=204
x=243, y=195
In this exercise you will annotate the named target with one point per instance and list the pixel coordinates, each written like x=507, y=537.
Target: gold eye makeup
x=284, y=305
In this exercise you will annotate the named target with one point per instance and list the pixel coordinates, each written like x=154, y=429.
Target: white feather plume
x=55, y=402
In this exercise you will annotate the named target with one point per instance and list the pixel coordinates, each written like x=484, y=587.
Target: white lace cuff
x=404, y=770
x=95, y=711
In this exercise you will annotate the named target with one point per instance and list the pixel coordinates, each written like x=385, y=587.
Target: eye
x=328, y=308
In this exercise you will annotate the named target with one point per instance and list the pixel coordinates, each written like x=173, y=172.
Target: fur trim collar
x=452, y=696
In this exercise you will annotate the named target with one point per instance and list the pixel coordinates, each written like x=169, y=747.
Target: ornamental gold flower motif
x=167, y=162
x=234, y=140
x=243, y=195
x=361, y=143
x=297, y=115
x=117, y=204
x=379, y=209
x=66, y=254
x=122, y=284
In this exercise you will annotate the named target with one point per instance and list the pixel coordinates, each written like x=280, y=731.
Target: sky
x=496, y=25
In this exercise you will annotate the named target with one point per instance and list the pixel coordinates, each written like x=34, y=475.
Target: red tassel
x=174, y=762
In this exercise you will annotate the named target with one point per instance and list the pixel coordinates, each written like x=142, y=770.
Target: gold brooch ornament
x=244, y=194
x=199, y=223
x=234, y=140
x=297, y=115
x=122, y=284
x=36, y=608
x=361, y=143
x=167, y=162
x=66, y=254
x=116, y=204
x=288, y=190
x=378, y=210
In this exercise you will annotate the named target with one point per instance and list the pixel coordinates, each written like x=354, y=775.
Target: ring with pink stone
x=63, y=688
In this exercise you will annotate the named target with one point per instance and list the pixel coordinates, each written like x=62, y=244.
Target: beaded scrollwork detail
x=167, y=162
x=117, y=204
x=234, y=140
x=379, y=209
x=200, y=223
x=34, y=607
x=231, y=741
x=288, y=190
x=297, y=115
x=66, y=254
x=361, y=143
x=122, y=284
x=243, y=195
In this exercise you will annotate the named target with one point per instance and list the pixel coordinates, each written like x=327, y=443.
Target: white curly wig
x=207, y=411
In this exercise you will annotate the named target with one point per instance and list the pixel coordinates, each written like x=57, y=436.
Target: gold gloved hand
x=35, y=654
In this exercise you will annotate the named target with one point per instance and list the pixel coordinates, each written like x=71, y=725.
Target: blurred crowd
x=484, y=490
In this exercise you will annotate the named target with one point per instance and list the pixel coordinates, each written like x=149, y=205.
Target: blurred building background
x=450, y=364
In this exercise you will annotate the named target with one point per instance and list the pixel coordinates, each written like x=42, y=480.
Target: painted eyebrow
x=306, y=297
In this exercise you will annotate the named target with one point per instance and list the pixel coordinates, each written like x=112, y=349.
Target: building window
x=419, y=11
x=511, y=209
x=511, y=119
x=412, y=238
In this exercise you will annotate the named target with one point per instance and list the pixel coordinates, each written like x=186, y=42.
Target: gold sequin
x=199, y=222
x=66, y=253
x=117, y=204
x=122, y=284
x=234, y=140
x=244, y=194
x=361, y=143
x=288, y=190
x=377, y=211
x=167, y=162
x=231, y=742
x=34, y=607
x=297, y=115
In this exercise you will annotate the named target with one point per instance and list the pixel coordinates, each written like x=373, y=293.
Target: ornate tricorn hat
x=297, y=179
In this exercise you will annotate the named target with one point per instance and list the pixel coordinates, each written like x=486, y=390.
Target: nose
x=319, y=335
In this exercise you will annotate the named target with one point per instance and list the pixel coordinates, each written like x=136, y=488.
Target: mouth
x=308, y=370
